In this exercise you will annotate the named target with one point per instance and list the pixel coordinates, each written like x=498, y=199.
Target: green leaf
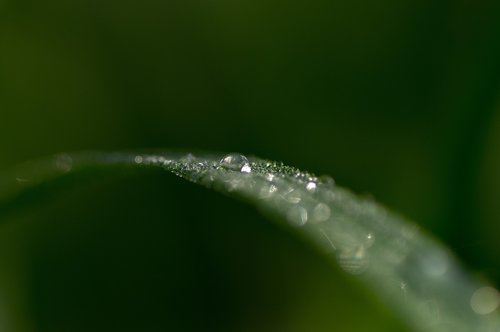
x=411, y=272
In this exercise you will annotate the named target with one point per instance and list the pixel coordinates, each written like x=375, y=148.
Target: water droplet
x=236, y=162
x=320, y=213
x=485, y=300
x=354, y=260
x=297, y=216
x=311, y=186
x=138, y=159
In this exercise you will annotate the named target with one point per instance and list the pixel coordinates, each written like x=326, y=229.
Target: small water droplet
x=320, y=213
x=311, y=186
x=138, y=159
x=485, y=300
x=235, y=162
x=354, y=260
x=297, y=216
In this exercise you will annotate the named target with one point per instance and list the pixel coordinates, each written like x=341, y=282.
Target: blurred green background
x=398, y=100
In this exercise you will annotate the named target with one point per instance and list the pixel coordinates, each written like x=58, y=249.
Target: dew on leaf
x=354, y=260
x=267, y=191
x=427, y=279
x=320, y=213
x=236, y=162
x=311, y=186
x=246, y=169
x=297, y=216
x=292, y=196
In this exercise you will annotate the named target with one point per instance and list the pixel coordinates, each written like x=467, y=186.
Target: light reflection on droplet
x=320, y=213
x=485, y=300
x=311, y=186
x=370, y=240
x=246, y=169
x=297, y=216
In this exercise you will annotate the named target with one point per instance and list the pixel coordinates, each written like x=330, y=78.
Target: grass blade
x=414, y=274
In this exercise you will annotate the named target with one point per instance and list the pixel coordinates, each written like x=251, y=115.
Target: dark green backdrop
x=399, y=100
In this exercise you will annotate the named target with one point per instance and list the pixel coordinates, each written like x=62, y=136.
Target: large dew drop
x=236, y=162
